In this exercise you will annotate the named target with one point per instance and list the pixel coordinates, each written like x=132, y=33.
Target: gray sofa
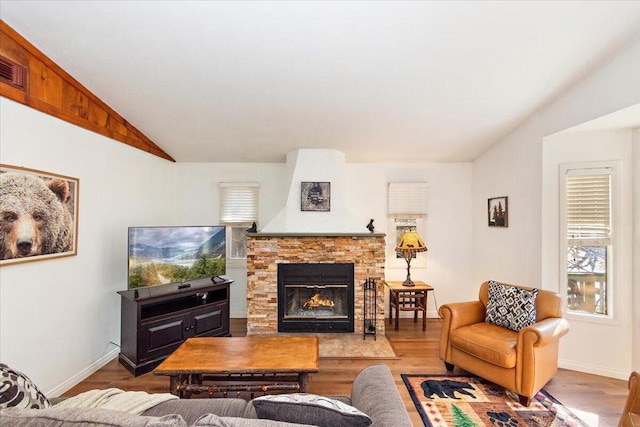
x=373, y=393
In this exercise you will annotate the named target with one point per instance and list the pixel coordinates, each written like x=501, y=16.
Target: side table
x=408, y=298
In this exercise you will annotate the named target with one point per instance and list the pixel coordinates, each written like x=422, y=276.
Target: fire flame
x=317, y=301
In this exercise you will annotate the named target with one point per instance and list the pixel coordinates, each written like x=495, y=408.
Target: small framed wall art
x=39, y=215
x=498, y=212
x=315, y=196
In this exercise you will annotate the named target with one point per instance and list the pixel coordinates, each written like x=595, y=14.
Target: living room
x=60, y=318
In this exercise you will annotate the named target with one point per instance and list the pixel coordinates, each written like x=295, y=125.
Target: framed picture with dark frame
x=315, y=196
x=498, y=212
x=39, y=215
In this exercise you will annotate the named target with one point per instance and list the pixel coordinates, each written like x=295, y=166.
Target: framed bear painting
x=38, y=215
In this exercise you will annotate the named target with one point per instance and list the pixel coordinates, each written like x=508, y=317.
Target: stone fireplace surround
x=266, y=250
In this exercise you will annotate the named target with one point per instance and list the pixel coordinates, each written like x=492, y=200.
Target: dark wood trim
x=53, y=91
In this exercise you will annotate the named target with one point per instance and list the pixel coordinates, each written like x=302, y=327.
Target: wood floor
x=597, y=400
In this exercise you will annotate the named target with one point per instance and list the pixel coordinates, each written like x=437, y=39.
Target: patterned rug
x=457, y=400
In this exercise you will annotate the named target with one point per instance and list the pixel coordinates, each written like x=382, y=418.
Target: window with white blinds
x=587, y=239
x=238, y=202
x=588, y=207
x=407, y=198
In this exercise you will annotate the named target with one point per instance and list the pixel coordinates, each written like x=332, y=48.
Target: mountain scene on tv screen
x=168, y=255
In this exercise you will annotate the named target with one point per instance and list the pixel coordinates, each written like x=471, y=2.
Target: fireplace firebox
x=315, y=297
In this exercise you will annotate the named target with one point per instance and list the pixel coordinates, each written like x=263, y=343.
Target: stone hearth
x=266, y=250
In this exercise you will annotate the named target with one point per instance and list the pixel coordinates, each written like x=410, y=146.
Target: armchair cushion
x=511, y=306
x=491, y=343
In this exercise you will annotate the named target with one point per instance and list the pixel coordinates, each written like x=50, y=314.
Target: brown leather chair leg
x=524, y=400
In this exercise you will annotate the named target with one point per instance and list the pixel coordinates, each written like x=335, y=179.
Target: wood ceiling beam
x=53, y=91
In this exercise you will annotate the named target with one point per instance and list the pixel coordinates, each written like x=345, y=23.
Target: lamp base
x=408, y=282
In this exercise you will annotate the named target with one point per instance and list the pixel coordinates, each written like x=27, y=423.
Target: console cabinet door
x=211, y=320
x=161, y=337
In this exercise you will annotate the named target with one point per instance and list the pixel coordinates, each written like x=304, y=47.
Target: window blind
x=407, y=198
x=589, y=207
x=238, y=202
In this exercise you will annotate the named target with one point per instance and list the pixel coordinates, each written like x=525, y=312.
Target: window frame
x=407, y=203
x=239, y=220
x=613, y=169
x=235, y=262
x=393, y=260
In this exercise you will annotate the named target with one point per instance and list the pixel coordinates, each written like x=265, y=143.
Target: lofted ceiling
x=224, y=81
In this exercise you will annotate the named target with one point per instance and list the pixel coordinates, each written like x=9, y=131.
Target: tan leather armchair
x=522, y=362
x=631, y=413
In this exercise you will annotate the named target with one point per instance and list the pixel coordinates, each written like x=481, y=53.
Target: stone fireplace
x=300, y=237
x=365, y=252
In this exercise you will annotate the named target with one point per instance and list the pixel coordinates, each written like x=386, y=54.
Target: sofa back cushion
x=192, y=409
x=95, y=417
x=213, y=420
x=375, y=384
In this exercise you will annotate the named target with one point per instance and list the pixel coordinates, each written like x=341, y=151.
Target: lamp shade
x=411, y=242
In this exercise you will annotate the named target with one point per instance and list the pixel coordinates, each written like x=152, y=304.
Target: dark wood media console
x=157, y=319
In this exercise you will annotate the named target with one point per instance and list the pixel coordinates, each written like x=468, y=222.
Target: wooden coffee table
x=241, y=364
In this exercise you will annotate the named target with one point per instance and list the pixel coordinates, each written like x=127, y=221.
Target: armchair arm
x=543, y=333
x=537, y=354
x=462, y=313
x=455, y=315
x=631, y=412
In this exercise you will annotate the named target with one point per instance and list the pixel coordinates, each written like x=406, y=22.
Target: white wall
x=58, y=317
x=448, y=222
x=200, y=204
x=513, y=168
x=315, y=165
x=578, y=350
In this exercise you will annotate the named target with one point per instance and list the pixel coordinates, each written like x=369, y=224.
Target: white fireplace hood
x=316, y=165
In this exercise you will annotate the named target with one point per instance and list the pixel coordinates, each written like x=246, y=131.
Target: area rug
x=456, y=400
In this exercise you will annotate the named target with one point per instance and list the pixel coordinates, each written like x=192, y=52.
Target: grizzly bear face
x=34, y=217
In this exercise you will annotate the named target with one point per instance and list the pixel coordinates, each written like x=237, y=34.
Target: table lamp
x=410, y=243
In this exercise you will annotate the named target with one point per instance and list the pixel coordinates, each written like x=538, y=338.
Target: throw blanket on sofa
x=133, y=402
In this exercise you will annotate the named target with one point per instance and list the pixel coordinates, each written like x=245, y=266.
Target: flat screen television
x=162, y=255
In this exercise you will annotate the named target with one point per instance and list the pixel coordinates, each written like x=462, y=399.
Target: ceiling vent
x=13, y=73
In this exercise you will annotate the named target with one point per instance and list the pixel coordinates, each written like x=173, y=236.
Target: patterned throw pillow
x=510, y=306
x=305, y=408
x=17, y=390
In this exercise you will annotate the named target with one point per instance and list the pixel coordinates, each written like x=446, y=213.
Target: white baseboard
x=84, y=374
x=593, y=369
x=241, y=314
